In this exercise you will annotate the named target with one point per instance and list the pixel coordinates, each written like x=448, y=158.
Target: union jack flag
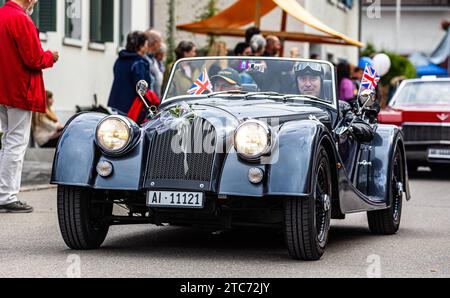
x=370, y=78
x=201, y=85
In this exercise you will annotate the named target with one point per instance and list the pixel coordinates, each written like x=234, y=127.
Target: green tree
x=209, y=10
x=170, y=32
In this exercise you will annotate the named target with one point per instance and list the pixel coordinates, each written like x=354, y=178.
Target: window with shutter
x=47, y=15
x=73, y=16
x=44, y=15
x=102, y=21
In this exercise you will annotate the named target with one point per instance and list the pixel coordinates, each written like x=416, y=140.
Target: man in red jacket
x=22, y=92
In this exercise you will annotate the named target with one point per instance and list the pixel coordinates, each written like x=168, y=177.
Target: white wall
x=342, y=20
x=140, y=10
x=81, y=71
x=420, y=30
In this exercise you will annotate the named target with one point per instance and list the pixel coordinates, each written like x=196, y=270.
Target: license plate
x=173, y=199
x=439, y=153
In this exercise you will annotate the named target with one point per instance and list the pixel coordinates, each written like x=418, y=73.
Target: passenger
x=227, y=79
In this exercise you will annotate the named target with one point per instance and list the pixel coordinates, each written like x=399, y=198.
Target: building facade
x=419, y=27
x=89, y=33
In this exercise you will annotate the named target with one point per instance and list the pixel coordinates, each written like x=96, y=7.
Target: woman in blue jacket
x=129, y=69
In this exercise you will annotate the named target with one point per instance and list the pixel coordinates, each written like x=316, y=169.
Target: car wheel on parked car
x=307, y=220
x=387, y=221
x=81, y=214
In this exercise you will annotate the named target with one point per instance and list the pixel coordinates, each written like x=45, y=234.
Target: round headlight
x=253, y=139
x=113, y=134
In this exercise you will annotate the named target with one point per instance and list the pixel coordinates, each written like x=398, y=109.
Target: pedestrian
x=45, y=127
x=250, y=32
x=22, y=92
x=154, y=45
x=160, y=57
x=243, y=49
x=258, y=44
x=185, y=49
x=217, y=49
x=294, y=53
x=357, y=77
x=273, y=46
x=345, y=84
x=130, y=68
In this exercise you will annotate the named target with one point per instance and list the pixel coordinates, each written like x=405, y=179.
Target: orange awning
x=229, y=22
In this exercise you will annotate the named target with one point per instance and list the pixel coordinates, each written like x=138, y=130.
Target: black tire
x=81, y=216
x=387, y=221
x=307, y=220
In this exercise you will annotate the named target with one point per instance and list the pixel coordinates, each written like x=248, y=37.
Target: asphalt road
x=31, y=246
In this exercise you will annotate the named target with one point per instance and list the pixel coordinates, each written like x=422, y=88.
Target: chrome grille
x=165, y=164
x=426, y=133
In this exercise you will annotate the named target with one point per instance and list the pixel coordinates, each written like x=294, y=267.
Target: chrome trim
x=332, y=67
x=443, y=124
x=427, y=143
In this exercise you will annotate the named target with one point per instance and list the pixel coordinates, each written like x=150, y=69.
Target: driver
x=309, y=77
x=227, y=79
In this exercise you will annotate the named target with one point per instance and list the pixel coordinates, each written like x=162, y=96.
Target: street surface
x=31, y=246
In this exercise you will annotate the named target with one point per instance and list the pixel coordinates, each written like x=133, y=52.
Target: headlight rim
x=270, y=140
x=126, y=147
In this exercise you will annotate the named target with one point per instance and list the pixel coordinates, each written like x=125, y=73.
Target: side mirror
x=141, y=88
x=367, y=99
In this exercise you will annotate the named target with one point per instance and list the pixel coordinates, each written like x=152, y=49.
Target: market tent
x=230, y=21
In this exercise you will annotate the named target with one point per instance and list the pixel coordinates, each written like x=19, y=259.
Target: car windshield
x=424, y=93
x=201, y=76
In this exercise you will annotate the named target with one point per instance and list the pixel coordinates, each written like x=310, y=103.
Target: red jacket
x=22, y=60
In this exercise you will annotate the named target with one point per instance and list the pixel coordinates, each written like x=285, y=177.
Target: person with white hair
x=258, y=44
x=154, y=39
x=158, y=60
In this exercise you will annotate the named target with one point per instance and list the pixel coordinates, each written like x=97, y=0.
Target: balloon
x=363, y=61
x=382, y=64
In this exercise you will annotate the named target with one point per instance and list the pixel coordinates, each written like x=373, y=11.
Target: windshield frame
x=333, y=104
x=395, y=99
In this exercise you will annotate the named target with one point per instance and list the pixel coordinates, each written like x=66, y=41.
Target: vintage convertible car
x=421, y=107
x=246, y=142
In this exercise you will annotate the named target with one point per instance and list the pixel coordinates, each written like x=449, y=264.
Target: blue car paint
x=77, y=155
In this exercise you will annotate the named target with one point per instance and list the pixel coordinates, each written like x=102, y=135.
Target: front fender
x=76, y=151
x=388, y=139
x=77, y=155
x=288, y=173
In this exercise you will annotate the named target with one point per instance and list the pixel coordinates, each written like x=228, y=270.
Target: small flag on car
x=201, y=85
x=370, y=78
